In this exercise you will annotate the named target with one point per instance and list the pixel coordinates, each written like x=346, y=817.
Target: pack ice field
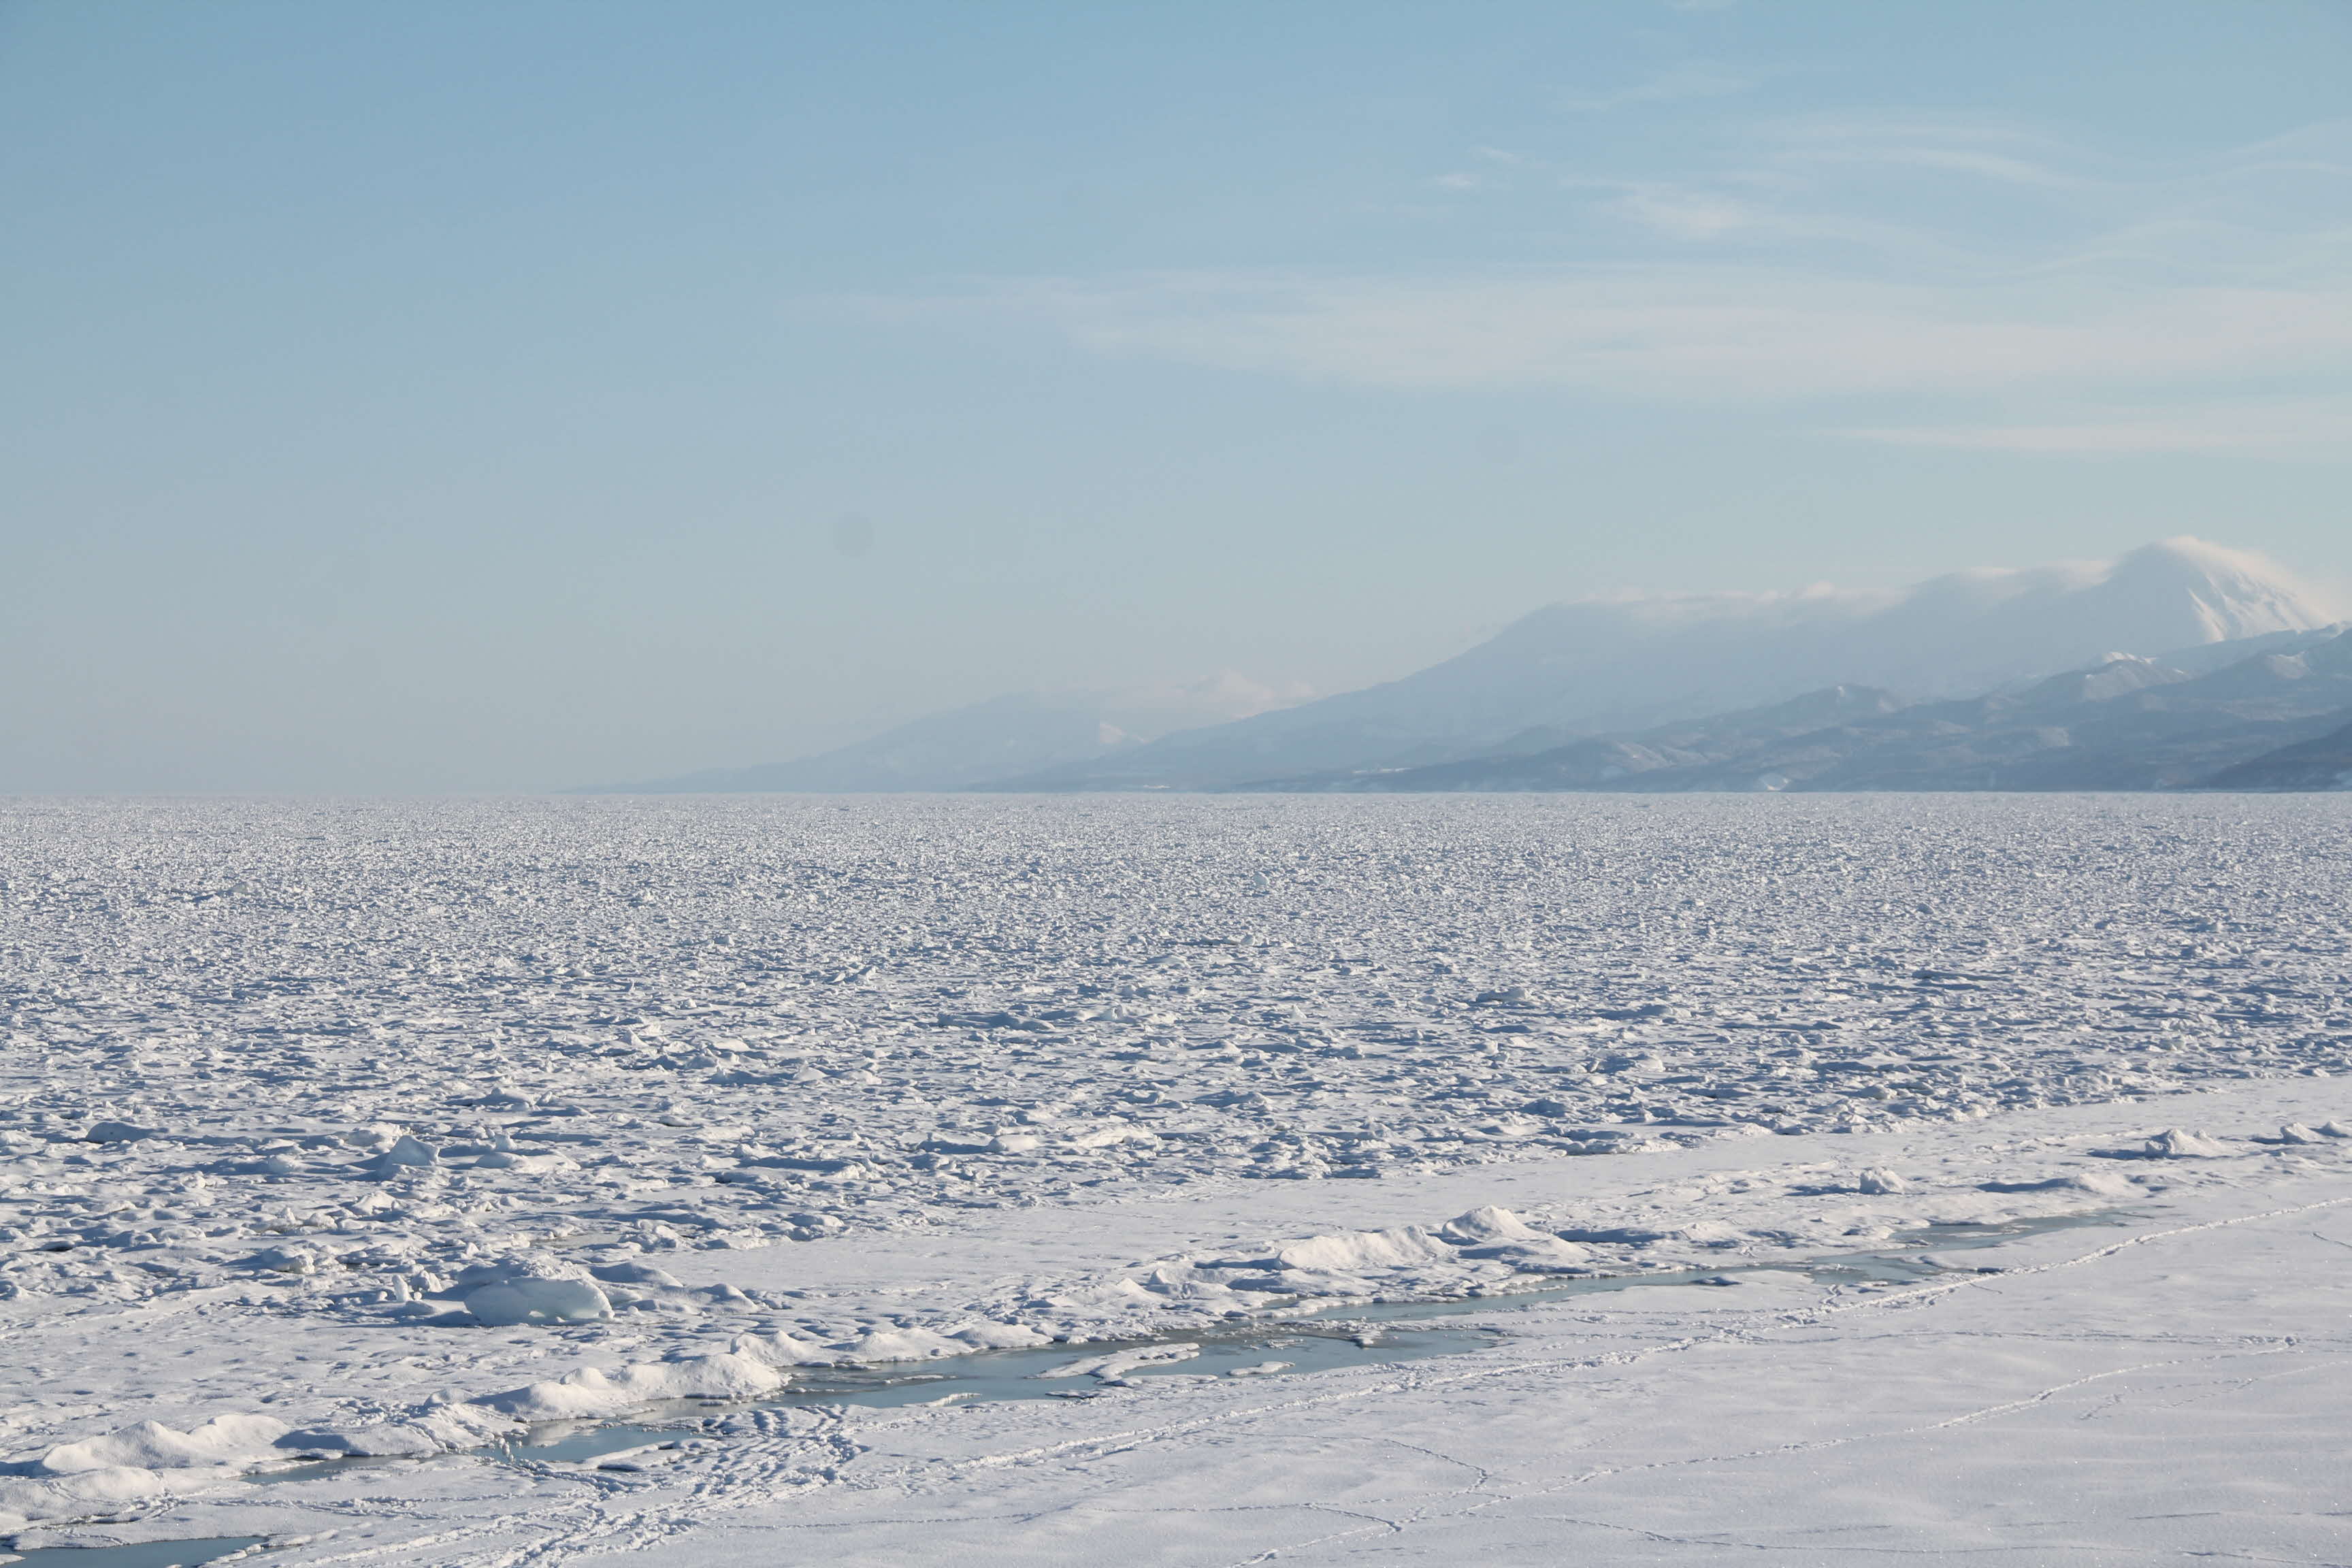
x=805, y=1147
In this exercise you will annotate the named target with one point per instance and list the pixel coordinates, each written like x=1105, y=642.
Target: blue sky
x=508, y=395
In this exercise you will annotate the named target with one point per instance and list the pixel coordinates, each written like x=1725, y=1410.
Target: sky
x=487, y=395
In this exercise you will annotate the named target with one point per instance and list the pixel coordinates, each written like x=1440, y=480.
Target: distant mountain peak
x=1620, y=665
x=2233, y=593
x=1626, y=663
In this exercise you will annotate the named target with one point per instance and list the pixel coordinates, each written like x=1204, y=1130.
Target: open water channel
x=1353, y=1334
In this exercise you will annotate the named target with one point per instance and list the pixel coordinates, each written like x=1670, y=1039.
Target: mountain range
x=2165, y=667
x=2126, y=723
x=967, y=747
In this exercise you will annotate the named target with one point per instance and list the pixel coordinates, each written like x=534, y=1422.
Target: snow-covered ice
x=339, y=1129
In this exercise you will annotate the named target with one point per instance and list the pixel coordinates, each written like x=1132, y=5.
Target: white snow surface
x=386, y=1128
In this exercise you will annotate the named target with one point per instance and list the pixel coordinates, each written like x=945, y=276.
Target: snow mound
x=1351, y=1251
x=1000, y=1336
x=2099, y=1184
x=1412, y=1257
x=231, y=1440
x=635, y=1273
x=523, y=1301
x=783, y=1348
x=285, y=1260
x=405, y=1154
x=2175, y=1143
x=533, y=1287
x=1499, y=1236
x=592, y=1391
x=1485, y=1225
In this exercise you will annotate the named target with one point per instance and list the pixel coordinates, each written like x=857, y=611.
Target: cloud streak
x=2258, y=425
x=2008, y=291
x=1691, y=334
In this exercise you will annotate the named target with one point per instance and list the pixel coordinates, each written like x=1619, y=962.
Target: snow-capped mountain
x=1019, y=734
x=2127, y=724
x=1602, y=666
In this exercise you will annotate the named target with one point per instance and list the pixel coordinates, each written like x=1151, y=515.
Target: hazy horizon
x=476, y=400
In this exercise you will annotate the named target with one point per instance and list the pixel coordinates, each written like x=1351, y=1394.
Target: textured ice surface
x=371, y=1128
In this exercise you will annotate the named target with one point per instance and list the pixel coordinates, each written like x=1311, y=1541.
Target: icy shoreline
x=1948, y=1169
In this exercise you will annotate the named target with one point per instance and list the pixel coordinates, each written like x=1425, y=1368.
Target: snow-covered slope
x=1606, y=665
x=963, y=746
x=2126, y=723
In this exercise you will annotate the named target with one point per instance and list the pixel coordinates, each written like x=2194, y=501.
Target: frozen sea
x=1194, y=1181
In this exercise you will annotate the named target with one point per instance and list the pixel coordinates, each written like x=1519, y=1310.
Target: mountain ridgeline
x=2275, y=720
x=2179, y=665
x=1617, y=671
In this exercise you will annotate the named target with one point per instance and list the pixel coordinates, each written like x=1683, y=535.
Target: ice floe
x=457, y=1114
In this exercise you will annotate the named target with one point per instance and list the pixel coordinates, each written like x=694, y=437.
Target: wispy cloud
x=2130, y=307
x=2263, y=426
x=1676, y=84
x=1689, y=333
x=1985, y=147
x=1687, y=214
